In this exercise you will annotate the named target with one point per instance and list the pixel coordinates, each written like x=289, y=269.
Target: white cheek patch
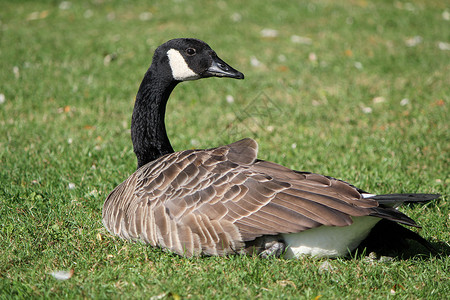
x=180, y=69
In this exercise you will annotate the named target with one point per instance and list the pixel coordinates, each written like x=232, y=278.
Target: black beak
x=219, y=68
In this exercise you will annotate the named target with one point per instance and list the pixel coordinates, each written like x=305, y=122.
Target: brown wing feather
x=213, y=201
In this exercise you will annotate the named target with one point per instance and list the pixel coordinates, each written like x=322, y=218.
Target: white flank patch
x=180, y=69
x=329, y=241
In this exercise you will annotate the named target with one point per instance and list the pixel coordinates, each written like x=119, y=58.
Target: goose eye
x=190, y=51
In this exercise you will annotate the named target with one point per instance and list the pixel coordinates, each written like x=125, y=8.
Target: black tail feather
x=393, y=199
x=388, y=202
x=394, y=215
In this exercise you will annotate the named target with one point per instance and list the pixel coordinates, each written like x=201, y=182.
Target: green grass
x=65, y=120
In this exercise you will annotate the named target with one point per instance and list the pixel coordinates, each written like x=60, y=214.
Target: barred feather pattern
x=214, y=201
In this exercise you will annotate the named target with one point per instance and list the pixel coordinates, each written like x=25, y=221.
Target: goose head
x=192, y=59
x=175, y=61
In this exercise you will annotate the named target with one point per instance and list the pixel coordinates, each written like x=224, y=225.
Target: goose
x=224, y=200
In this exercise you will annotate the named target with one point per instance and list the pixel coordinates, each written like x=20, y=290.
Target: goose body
x=224, y=200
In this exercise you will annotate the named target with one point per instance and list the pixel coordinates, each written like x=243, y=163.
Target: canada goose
x=224, y=200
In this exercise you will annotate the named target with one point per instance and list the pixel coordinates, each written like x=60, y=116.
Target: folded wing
x=213, y=201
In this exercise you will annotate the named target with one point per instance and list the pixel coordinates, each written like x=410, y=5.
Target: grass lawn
x=358, y=90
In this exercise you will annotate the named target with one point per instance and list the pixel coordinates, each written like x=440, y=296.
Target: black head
x=191, y=59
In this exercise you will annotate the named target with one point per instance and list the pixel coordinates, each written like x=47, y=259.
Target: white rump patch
x=180, y=69
x=367, y=195
x=329, y=241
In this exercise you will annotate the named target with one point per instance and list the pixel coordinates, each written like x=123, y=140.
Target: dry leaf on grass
x=62, y=275
x=269, y=33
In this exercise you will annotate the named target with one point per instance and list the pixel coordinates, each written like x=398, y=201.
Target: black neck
x=148, y=130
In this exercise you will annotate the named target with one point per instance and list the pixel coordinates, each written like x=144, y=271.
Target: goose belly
x=329, y=241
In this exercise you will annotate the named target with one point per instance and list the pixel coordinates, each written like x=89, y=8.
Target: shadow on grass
x=393, y=240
